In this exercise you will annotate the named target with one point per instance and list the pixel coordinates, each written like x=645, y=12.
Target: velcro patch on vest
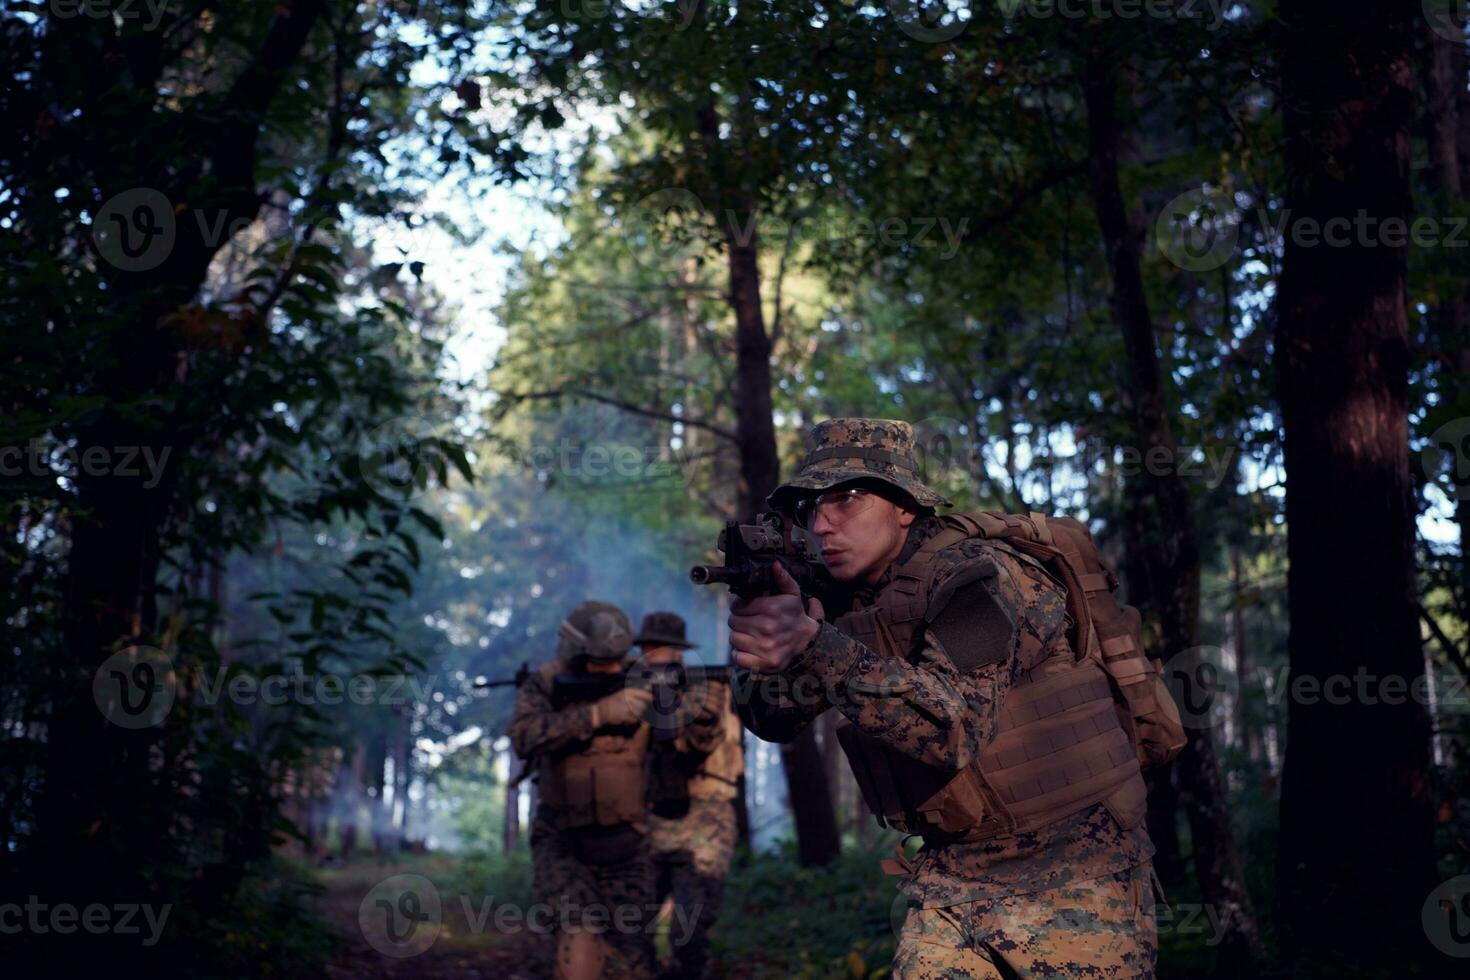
x=970, y=625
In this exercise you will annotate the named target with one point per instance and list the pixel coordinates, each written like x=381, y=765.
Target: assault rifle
x=522, y=672
x=668, y=682
x=752, y=552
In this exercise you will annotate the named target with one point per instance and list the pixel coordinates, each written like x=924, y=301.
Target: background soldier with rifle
x=588, y=848
x=693, y=780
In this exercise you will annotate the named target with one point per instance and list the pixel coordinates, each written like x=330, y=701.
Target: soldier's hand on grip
x=767, y=631
x=626, y=707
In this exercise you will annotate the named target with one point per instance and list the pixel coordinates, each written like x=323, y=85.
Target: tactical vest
x=678, y=778
x=1074, y=730
x=600, y=785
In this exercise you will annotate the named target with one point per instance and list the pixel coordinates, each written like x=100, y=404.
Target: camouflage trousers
x=613, y=900
x=691, y=858
x=1103, y=928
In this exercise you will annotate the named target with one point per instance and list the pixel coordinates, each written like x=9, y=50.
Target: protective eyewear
x=837, y=506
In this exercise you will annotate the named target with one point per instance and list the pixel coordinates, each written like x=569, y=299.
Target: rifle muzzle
x=713, y=575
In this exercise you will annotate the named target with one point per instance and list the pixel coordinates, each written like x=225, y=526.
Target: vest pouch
x=568, y=791
x=962, y=806
x=617, y=793
x=605, y=845
x=897, y=790
x=1128, y=803
x=593, y=795
x=668, y=788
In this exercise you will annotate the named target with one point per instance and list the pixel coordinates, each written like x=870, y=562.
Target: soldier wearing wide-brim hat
x=877, y=451
x=947, y=626
x=663, y=629
x=692, y=821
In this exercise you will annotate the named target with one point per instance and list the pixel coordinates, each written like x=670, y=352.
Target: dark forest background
x=1196, y=272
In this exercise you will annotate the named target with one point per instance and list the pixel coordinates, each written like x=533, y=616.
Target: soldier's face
x=662, y=654
x=863, y=545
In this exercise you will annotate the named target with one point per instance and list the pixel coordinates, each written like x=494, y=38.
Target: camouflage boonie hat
x=854, y=449
x=597, y=630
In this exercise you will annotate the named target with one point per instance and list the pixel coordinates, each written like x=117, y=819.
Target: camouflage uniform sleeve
x=777, y=707
x=941, y=706
x=537, y=728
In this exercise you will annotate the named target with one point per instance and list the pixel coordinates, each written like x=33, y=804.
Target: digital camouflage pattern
x=691, y=854
x=1100, y=929
x=932, y=712
x=717, y=777
x=833, y=459
x=615, y=901
x=538, y=729
x=691, y=857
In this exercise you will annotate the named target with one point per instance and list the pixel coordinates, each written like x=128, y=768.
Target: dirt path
x=365, y=898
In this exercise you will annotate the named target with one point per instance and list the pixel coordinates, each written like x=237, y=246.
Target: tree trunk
x=817, y=841
x=1247, y=738
x=94, y=838
x=1353, y=887
x=1170, y=547
x=760, y=465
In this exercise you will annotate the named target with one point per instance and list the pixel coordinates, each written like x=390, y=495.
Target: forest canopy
x=349, y=346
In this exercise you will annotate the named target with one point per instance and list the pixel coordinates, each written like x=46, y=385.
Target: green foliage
x=265, y=352
x=493, y=874
x=783, y=920
x=272, y=928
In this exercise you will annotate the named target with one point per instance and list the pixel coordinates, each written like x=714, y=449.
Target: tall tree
x=717, y=96
x=142, y=156
x=1356, y=854
x=1165, y=534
